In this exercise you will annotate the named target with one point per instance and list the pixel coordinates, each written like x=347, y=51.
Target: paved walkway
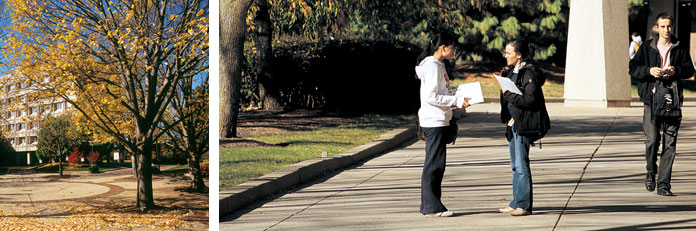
x=588, y=176
x=105, y=201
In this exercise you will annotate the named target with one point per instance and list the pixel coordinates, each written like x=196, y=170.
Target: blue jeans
x=521, y=174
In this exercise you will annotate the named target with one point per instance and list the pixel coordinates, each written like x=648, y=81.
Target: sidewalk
x=588, y=176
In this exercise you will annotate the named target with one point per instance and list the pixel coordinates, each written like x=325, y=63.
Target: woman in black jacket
x=526, y=119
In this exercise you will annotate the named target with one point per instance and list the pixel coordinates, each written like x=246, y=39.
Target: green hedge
x=343, y=76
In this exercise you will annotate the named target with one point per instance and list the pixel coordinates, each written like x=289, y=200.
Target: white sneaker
x=440, y=214
x=520, y=212
x=507, y=210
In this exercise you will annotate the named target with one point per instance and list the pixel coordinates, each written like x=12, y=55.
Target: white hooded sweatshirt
x=436, y=105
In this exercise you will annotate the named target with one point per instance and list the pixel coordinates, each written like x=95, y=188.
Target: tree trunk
x=144, y=171
x=232, y=33
x=268, y=94
x=194, y=163
x=60, y=165
x=134, y=164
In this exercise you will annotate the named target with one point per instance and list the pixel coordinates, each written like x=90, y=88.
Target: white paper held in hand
x=508, y=84
x=471, y=90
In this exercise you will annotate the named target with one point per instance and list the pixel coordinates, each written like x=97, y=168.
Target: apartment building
x=20, y=117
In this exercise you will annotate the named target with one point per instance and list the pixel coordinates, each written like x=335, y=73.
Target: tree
x=117, y=62
x=232, y=35
x=190, y=135
x=56, y=137
x=268, y=95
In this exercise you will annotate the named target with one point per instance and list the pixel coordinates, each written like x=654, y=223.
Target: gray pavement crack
x=336, y=193
x=577, y=185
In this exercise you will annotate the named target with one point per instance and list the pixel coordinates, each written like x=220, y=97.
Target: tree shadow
x=654, y=226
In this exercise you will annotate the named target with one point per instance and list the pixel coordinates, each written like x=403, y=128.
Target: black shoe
x=650, y=182
x=664, y=192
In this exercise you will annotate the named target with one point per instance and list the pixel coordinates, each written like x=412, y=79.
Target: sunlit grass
x=238, y=165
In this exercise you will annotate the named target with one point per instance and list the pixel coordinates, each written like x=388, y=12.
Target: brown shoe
x=507, y=210
x=520, y=212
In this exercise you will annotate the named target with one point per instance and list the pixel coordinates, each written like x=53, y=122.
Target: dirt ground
x=105, y=201
x=261, y=122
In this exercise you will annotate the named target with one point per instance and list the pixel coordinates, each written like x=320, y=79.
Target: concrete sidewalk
x=588, y=176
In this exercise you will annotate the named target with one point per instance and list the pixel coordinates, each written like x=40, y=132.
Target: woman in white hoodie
x=434, y=115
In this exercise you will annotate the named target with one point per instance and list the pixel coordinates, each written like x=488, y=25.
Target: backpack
x=666, y=101
x=533, y=124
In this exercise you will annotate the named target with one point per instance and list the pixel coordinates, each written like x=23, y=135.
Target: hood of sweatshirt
x=426, y=65
x=637, y=39
x=539, y=75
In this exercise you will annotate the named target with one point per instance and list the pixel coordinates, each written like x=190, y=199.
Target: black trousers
x=433, y=171
x=652, y=128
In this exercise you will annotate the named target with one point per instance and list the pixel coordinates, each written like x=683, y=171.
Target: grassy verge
x=53, y=167
x=238, y=165
x=179, y=168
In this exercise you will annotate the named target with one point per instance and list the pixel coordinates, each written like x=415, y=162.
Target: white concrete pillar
x=597, y=59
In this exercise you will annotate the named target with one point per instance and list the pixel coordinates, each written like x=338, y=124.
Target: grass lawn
x=238, y=165
x=53, y=167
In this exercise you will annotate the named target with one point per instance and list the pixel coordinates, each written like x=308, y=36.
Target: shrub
x=204, y=169
x=75, y=156
x=93, y=158
x=94, y=169
x=357, y=76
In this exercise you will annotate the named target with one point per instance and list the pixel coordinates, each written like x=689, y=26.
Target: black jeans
x=433, y=171
x=652, y=128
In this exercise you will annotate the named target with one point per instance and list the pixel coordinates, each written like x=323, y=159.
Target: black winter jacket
x=648, y=57
x=533, y=120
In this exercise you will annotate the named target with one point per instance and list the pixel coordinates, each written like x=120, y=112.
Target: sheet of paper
x=508, y=84
x=471, y=90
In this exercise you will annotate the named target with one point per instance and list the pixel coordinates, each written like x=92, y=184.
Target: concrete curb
x=237, y=197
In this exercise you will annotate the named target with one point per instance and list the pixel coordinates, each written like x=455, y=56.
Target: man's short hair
x=664, y=15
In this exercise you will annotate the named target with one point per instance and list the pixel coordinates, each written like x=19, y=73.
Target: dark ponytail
x=524, y=48
x=439, y=39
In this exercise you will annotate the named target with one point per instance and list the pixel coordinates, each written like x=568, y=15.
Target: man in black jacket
x=660, y=59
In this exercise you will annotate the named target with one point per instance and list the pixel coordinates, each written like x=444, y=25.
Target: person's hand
x=669, y=71
x=466, y=104
x=505, y=68
x=656, y=72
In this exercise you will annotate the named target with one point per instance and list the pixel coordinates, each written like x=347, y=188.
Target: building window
x=23, y=112
x=22, y=126
x=12, y=127
x=12, y=141
x=12, y=114
x=21, y=140
x=57, y=106
x=44, y=79
x=34, y=139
